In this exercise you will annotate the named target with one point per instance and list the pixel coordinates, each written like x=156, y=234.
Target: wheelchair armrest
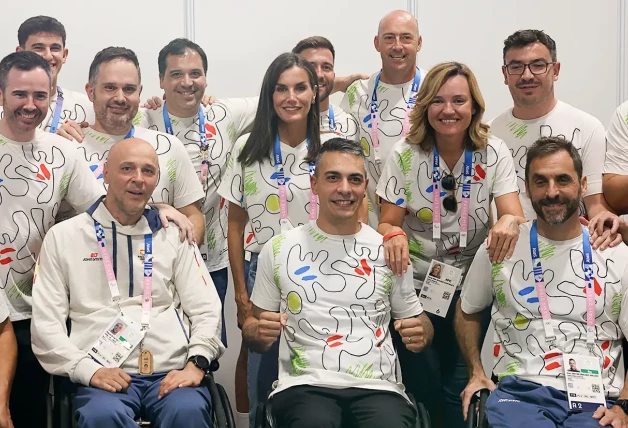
x=476, y=416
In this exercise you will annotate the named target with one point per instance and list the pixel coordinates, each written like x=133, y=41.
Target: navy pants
x=220, y=278
x=183, y=407
x=519, y=403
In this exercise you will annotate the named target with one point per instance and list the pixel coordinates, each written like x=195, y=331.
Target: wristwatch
x=200, y=362
x=623, y=404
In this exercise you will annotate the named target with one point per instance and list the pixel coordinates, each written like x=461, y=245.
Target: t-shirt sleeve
x=392, y=183
x=404, y=302
x=232, y=185
x=504, y=177
x=593, y=154
x=242, y=112
x=4, y=310
x=623, y=312
x=617, y=144
x=187, y=187
x=142, y=120
x=477, y=289
x=351, y=99
x=266, y=293
x=82, y=187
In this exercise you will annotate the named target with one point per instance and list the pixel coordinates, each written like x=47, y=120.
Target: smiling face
x=398, y=43
x=323, y=62
x=50, y=47
x=451, y=110
x=184, y=81
x=25, y=99
x=293, y=96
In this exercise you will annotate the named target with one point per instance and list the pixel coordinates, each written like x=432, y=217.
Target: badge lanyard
x=466, y=197
x=406, y=122
x=147, y=299
x=131, y=133
x=57, y=113
x=204, y=145
x=281, y=184
x=539, y=282
x=332, y=118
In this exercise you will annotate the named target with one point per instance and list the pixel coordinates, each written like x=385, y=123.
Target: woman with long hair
x=437, y=187
x=267, y=185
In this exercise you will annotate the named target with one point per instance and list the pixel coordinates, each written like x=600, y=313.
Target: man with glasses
x=530, y=70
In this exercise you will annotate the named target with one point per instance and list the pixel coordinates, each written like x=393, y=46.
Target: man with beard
x=554, y=296
x=46, y=37
x=114, y=88
x=530, y=70
x=321, y=54
x=39, y=171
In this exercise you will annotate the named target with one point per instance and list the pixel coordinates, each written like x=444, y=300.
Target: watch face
x=202, y=362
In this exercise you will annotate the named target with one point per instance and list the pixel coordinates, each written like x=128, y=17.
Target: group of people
x=369, y=243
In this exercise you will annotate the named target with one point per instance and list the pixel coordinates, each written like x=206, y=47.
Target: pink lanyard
x=283, y=194
x=539, y=282
x=406, y=121
x=147, y=301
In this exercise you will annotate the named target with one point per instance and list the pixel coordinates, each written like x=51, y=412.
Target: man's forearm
x=614, y=188
x=8, y=360
x=249, y=335
x=468, y=330
x=235, y=249
x=596, y=204
x=198, y=221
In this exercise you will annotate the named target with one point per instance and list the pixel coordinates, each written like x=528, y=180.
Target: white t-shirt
x=34, y=178
x=520, y=348
x=339, y=296
x=4, y=311
x=254, y=188
x=583, y=130
x=76, y=107
x=617, y=142
x=346, y=126
x=225, y=121
x=407, y=182
x=392, y=101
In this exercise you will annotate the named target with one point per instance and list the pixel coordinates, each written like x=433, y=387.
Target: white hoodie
x=70, y=284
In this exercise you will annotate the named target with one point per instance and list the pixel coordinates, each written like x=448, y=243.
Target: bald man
x=381, y=114
x=155, y=286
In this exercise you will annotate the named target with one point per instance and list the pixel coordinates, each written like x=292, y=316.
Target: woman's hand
x=502, y=238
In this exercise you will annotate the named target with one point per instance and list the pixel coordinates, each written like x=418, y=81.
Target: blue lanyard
x=411, y=100
x=57, y=113
x=281, y=178
x=131, y=132
x=332, y=118
x=539, y=282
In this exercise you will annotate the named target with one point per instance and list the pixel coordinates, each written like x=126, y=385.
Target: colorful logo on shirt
x=93, y=257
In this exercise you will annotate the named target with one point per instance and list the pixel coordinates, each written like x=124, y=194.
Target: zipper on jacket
x=130, y=245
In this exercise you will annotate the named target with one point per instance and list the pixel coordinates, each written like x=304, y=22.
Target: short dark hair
x=24, y=61
x=546, y=146
x=178, y=47
x=108, y=55
x=314, y=42
x=39, y=24
x=523, y=38
x=341, y=145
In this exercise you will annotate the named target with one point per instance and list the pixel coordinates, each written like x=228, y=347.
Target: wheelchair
x=264, y=416
x=63, y=409
x=476, y=416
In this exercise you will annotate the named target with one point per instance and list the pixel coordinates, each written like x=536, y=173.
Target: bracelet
x=393, y=234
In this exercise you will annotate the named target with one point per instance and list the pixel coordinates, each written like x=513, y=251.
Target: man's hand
x=603, y=230
x=396, y=254
x=269, y=328
x=412, y=333
x=189, y=376
x=168, y=213
x=112, y=380
x=613, y=417
x=72, y=131
x=476, y=383
x=243, y=305
x=502, y=238
x=5, y=417
x=342, y=83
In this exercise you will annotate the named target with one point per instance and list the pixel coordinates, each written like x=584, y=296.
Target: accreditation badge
x=583, y=378
x=438, y=288
x=117, y=341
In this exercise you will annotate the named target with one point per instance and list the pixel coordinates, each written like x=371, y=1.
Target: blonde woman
x=436, y=190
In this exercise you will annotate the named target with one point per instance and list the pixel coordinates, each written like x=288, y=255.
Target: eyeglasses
x=448, y=183
x=536, y=67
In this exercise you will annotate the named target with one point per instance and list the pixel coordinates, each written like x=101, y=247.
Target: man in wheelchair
x=325, y=288
x=144, y=315
x=556, y=304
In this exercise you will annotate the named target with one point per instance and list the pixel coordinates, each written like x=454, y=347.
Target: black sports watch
x=200, y=362
x=623, y=404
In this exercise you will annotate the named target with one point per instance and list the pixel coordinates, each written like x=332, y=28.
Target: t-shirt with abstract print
x=339, y=297
x=407, y=182
x=345, y=125
x=254, y=188
x=519, y=347
x=35, y=177
x=392, y=102
x=225, y=121
x=584, y=131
